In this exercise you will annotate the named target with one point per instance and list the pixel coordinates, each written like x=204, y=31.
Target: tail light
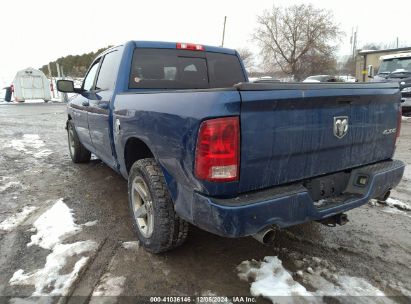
x=189, y=46
x=218, y=150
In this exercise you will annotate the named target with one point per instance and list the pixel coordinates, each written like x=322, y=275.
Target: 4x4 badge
x=340, y=126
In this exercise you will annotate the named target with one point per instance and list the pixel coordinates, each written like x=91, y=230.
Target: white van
x=31, y=84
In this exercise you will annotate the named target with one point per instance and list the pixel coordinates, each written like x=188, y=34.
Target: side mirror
x=370, y=71
x=65, y=86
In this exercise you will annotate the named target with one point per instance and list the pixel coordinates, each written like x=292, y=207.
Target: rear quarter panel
x=168, y=123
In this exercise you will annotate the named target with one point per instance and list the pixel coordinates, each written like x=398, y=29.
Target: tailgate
x=291, y=132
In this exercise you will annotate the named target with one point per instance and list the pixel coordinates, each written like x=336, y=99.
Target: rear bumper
x=289, y=205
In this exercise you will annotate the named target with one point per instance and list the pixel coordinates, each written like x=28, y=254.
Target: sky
x=34, y=33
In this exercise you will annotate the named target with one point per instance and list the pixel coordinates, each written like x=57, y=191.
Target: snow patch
x=53, y=226
x=9, y=185
x=131, y=245
x=49, y=276
x=28, y=143
x=393, y=206
x=54, y=279
x=16, y=219
x=391, y=202
x=351, y=286
x=42, y=153
x=392, y=210
x=319, y=203
x=89, y=224
x=271, y=280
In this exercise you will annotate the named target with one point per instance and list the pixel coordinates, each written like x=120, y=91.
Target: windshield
x=395, y=65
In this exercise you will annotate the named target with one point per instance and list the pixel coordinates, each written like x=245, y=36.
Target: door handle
x=85, y=103
x=117, y=126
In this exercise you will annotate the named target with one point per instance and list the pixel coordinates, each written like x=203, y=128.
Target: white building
x=31, y=84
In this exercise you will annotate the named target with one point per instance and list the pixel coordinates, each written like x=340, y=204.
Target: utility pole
x=225, y=20
x=51, y=80
x=354, y=43
x=352, y=38
x=58, y=75
x=397, y=42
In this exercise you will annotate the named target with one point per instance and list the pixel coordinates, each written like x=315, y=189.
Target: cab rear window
x=182, y=69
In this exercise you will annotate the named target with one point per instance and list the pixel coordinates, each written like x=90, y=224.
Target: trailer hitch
x=333, y=221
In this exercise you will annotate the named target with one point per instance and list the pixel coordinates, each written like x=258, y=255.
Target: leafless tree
x=348, y=66
x=287, y=35
x=248, y=58
x=315, y=63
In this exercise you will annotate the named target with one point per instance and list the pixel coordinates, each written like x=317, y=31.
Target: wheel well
x=135, y=150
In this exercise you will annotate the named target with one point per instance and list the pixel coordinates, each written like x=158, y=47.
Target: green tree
x=73, y=65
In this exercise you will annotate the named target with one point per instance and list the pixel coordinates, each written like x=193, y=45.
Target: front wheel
x=78, y=153
x=157, y=225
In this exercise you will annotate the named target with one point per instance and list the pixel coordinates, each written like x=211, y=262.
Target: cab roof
x=398, y=55
x=173, y=45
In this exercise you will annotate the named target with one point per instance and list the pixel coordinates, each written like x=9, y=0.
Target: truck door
x=99, y=117
x=80, y=105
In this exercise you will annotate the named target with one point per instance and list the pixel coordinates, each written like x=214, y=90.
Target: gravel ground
x=93, y=249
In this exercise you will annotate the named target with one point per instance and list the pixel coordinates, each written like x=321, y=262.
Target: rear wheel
x=157, y=225
x=78, y=153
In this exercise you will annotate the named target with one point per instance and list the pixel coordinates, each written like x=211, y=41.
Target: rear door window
x=225, y=70
x=107, y=74
x=182, y=69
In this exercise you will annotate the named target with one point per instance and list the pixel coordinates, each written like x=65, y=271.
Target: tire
x=157, y=226
x=78, y=153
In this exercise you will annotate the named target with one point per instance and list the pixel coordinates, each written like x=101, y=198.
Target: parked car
x=396, y=68
x=266, y=79
x=406, y=101
x=200, y=144
x=321, y=78
x=346, y=78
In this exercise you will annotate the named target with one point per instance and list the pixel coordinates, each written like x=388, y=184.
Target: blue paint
x=286, y=137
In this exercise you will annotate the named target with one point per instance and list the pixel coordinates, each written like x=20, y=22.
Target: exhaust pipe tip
x=266, y=236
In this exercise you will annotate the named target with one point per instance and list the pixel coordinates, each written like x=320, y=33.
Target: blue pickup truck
x=200, y=144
